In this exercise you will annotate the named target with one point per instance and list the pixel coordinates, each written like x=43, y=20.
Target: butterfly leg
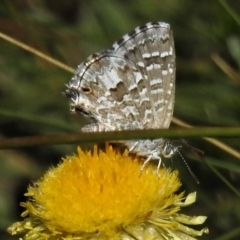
x=159, y=165
x=147, y=161
x=132, y=148
x=144, y=164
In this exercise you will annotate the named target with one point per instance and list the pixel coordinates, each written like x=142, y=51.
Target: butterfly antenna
x=189, y=169
x=197, y=151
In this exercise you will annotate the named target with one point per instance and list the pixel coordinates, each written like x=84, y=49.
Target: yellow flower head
x=100, y=195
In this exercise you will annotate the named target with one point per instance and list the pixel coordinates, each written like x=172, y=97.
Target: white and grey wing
x=151, y=49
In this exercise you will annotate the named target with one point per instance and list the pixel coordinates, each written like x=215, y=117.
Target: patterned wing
x=130, y=85
x=151, y=49
x=100, y=91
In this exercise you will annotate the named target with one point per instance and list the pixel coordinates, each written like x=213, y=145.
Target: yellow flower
x=100, y=195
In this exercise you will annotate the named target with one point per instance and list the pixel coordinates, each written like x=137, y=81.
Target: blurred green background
x=70, y=30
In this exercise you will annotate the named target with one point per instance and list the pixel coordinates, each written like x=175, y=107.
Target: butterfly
x=130, y=86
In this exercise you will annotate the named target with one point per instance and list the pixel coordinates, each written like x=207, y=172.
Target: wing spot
x=86, y=90
x=118, y=92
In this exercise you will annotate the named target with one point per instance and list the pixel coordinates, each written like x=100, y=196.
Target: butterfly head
x=169, y=149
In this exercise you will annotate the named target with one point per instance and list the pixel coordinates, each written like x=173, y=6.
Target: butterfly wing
x=151, y=49
x=99, y=92
x=131, y=85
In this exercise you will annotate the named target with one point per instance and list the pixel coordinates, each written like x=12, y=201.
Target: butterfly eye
x=85, y=90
